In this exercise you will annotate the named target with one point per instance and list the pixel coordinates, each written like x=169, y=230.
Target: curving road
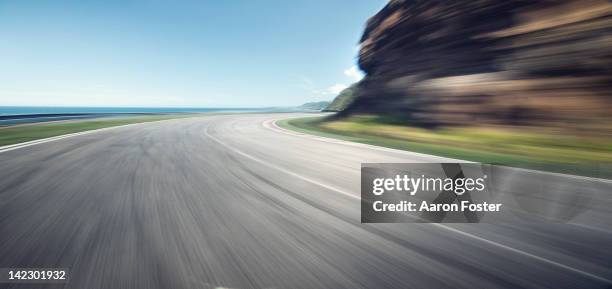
x=233, y=201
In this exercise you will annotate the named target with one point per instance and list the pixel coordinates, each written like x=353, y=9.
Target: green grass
x=23, y=133
x=525, y=148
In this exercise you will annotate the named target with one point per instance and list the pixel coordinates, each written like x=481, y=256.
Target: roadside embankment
x=525, y=148
x=23, y=133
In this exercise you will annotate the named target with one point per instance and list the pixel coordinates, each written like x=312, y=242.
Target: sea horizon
x=31, y=110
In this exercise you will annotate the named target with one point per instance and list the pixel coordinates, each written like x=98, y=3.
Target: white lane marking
x=272, y=125
x=441, y=226
x=59, y=137
x=521, y=252
x=307, y=179
x=46, y=140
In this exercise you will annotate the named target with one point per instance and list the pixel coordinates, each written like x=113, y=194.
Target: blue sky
x=178, y=53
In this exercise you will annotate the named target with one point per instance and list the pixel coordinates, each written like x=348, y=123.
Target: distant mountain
x=318, y=106
x=344, y=99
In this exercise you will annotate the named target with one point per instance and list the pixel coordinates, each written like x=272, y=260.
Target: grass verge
x=23, y=133
x=531, y=149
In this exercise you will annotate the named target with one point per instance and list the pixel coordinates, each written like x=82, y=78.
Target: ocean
x=28, y=110
x=13, y=115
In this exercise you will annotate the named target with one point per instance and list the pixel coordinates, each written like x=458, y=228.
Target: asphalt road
x=230, y=201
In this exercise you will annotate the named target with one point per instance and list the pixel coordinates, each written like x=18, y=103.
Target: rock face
x=536, y=63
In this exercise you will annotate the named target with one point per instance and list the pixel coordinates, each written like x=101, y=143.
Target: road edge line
x=466, y=234
x=16, y=146
x=380, y=148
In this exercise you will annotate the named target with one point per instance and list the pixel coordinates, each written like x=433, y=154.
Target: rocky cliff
x=536, y=63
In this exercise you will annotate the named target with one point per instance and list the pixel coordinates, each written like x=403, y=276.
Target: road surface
x=231, y=201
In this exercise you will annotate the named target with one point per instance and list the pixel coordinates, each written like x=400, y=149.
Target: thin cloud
x=336, y=88
x=354, y=73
